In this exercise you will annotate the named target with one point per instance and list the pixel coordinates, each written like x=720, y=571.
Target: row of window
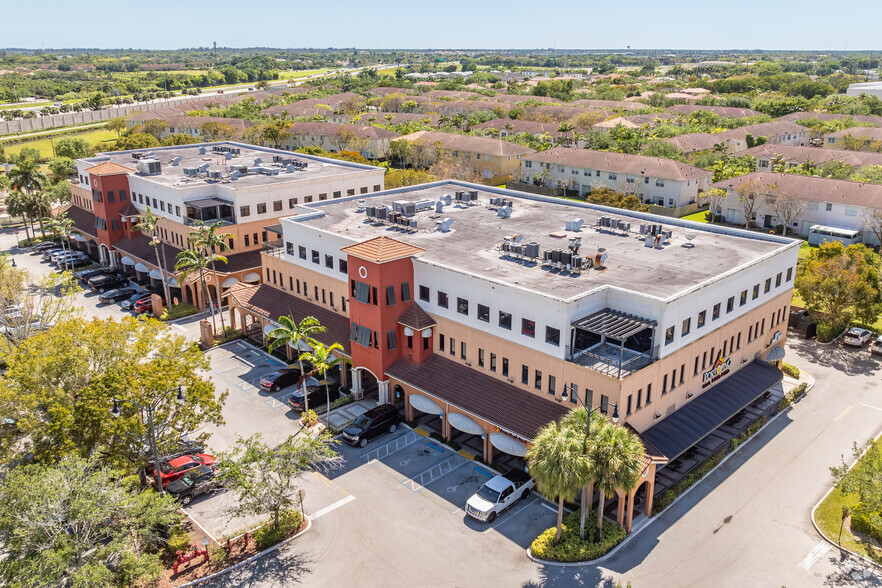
x=504, y=319
x=701, y=319
x=367, y=294
x=302, y=287
x=596, y=173
x=371, y=339
x=316, y=257
x=98, y=196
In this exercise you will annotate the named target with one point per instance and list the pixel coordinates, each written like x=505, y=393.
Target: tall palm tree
x=17, y=205
x=40, y=206
x=213, y=244
x=616, y=460
x=148, y=223
x=191, y=261
x=291, y=333
x=323, y=360
x=27, y=176
x=60, y=225
x=557, y=463
x=577, y=421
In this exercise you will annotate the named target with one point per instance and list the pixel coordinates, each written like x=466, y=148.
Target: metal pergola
x=614, y=324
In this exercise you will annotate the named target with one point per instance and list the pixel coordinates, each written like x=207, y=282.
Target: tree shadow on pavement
x=553, y=576
x=851, y=572
x=852, y=361
x=287, y=566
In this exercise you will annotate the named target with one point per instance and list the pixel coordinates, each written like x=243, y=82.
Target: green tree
x=839, y=284
x=61, y=168
x=558, y=463
x=577, y=420
x=72, y=147
x=217, y=131
x=275, y=132
x=715, y=198
x=616, y=460
x=155, y=127
x=27, y=177
x=79, y=523
x=324, y=359
x=148, y=224
x=60, y=226
x=117, y=124
x=264, y=478
x=212, y=244
x=17, y=205
x=296, y=335
x=179, y=139
x=136, y=141
x=608, y=197
x=864, y=480
x=189, y=262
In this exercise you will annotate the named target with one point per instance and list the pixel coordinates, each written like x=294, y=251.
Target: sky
x=459, y=24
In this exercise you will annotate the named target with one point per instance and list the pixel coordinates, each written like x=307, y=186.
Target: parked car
x=279, y=379
x=75, y=260
x=876, y=347
x=197, y=481
x=46, y=245
x=57, y=254
x=171, y=470
x=856, y=337
x=85, y=275
x=47, y=253
x=130, y=302
x=497, y=494
x=314, y=393
x=372, y=424
x=107, y=282
x=143, y=305
x=116, y=295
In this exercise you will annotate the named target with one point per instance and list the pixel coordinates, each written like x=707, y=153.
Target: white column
x=384, y=391
x=356, y=383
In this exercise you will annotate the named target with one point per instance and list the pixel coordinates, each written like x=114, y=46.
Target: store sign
x=775, y=338
x=720, y=369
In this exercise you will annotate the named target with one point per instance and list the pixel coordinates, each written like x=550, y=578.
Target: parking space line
x=436, y=472
x=329, y=483
x=512, y=515
x=204, y=530
x=332, y=507
x=388, y=449
x=814, y=555
x=552, y=509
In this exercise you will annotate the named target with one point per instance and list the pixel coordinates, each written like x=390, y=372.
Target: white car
x=499, y=493
x=857, y=337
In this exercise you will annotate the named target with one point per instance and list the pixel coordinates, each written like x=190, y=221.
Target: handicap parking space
x=411, y=463
x=453, y=490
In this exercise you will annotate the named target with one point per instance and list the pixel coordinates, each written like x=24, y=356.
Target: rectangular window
x=537, y=383
x=261, y=208
x=323, y=196
x=424, y=293
x=292, y=203
x=750, y=334
x=789, y=273
x=390, y=295
x=702, y=316
x=316, y=293
x=682, y=372
x=716, y=312
x=505, y=366
x=122, y=198
x=462, y=349
x=442, y=299
x=743, y=300
x=390, y=339
x=505, y=320
x=669, y=335
x=528, y=328
x=307, y=199
x=664, y=384
x=343, y=266
x=525, y=375
x=768, y=286
x=377, y=188
x=452, y=346
x=277, y=205
x=738, y=342
x=96, y=196
x=492, y=362
x=483, y=313
x=177, y=211
x=244, y=211
x=362, y=293
x=329, y=261
x=778, y=280
x=763, y=327
x=725, y=347
x=604, y=401
x=648, y=394
x=730, y=304
x=829, y=206
x=480, y=357
x=687, y=325
x=301, y=249
x=552, y=336
x=440, y=342
x=755, y=292
x=316, y=258
x=337, y=194
x=114, y=224
x=405, y=292
x=350, y=192
x=552, y=381
x=110, y=196
x=462, y=306
x=695, y=369
x=298, y=286
x=639, y=398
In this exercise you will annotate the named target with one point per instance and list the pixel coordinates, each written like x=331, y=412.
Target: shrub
x=217, y=555
x=827, y=332
x=308, y=418
x=346, y=399
x=269, y=535
x=790, y=370
x=179, y=541
x=229, y=334
x=454, y=445
x=571, y=548
x=867, y=523
x=436, y=436
x=176, y=311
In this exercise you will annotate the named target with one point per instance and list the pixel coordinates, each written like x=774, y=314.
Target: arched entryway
x=104, y=254
x=427, y=412
x=465, y=432
x=365, y=383
x=507, y=451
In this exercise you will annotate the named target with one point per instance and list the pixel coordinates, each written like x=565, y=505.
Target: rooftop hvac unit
x=439, y=206
x=413, y=223
x=568, y=226
x=613, y=223
x=234, y=175
x=202, y=151
x=445, y=225
x=214, y=174
x=546, y=255
x=577, y=224
x=667, y=233
x=191, y=172
x=506, y=245
x=254, y=170
x=644, y=228
x=270, y=171
x=409, y=209
x=235, y=151
x=290, y=168
x=361, y=204
x=504, y=212
x=625, y=226
x=151, y=154
x=446, y=199
x=532, y=249
x=382, y=212
x=576, y=262
x=149, y=167
x=394, y=216
x=175, y=161
x=424, y=204
x=370, y=211
x=473, y=195
x=555, y=256
x=258, y=161
x=600, y=260
x=204, y=167
x=277, y=158
x=603, y=221
x=566, y=257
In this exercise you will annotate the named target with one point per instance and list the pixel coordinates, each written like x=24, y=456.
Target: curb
x=650, y=520
x=254, y=557
x=827, y=539
x=833, y=340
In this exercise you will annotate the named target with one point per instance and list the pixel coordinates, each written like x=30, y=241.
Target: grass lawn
x=696, y=216
x=44, y=145
x=301, y=73
x=22, y=106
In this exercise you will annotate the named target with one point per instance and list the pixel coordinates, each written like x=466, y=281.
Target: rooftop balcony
x=613, y=343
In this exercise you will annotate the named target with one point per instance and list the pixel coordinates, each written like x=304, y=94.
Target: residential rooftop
x=473, y=243
x=201, y=154
x=812, y=188
x=626, y=163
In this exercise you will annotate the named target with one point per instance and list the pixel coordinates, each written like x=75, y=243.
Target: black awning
x=277, y=229
x=613, y=323
x=696, y=420
x=208, y=203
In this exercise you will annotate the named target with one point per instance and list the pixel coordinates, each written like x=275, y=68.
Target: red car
x=173, y=469
x=143, y=305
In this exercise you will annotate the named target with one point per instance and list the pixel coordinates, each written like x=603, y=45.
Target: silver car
x=856, y=337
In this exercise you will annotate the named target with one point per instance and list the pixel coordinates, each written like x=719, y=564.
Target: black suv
x=316, y=396
x=372, y=424
x=106, y=282
x=199, y=480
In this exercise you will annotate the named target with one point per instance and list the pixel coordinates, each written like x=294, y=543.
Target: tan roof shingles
x=416, y=318
x=469, y=143
x=272, y=303
x=108, y=168
x=382, y=249
x=655, y=167
x=500, y=403
x=813, y=188
x=84, y=220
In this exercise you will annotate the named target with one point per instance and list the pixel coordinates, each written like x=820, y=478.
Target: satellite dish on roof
x=690, y=237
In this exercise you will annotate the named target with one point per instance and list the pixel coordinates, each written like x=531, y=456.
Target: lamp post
x=115, y=412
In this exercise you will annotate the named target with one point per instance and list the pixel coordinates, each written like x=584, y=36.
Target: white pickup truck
x=498, y=494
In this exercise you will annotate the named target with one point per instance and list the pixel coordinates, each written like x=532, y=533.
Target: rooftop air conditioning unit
x=382, y=212
x=290, y=168
x=234, y=175
x=257, y=161
x=149, y=167
x=446, y=199
x=191, y=172
x=204, y=167
x=228, y=156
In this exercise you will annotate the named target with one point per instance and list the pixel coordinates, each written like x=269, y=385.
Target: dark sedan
x=279, y=379
x=316, y=396
x=116, y=295
x=103, y=283
x=197, y=481
x=86, y=275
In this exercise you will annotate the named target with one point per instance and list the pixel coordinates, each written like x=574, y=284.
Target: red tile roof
x=108, y=168
x=382, y=249
x=416, y=318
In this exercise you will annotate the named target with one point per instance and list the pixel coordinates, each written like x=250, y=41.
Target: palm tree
x=576, y=420
x=558, y=464
x=27, y=177
x=17, y=205
x=292, y=333
x=60, y=225
x=148, y=224
x=189, y=261
x=616, y=460
x=40, y=206
x=208, y=239
x=323, y=360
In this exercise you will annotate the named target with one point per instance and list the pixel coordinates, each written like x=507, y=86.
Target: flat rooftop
x=192, y=157
x=474, y=241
